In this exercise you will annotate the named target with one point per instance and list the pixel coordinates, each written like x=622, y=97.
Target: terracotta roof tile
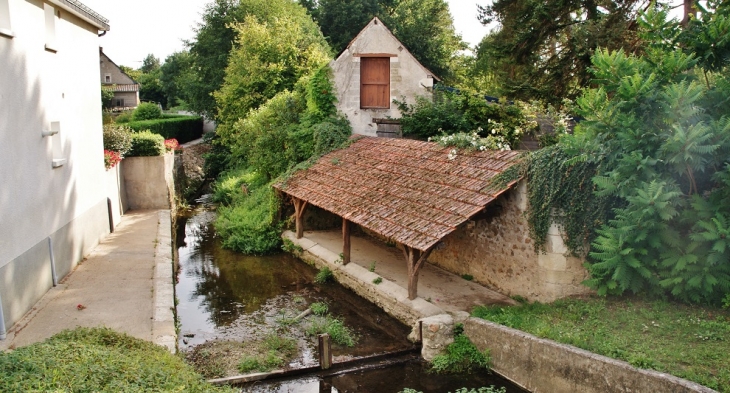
x=403, y=189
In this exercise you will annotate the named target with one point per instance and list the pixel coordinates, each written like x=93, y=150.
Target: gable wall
x=108, y=67
x=408, y=79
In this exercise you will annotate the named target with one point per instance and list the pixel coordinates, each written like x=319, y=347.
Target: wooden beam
x=414, y=259
x=300, y=206
x=345, y=241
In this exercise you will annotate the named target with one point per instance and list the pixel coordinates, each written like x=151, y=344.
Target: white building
x=371, y=72
x=53, y=204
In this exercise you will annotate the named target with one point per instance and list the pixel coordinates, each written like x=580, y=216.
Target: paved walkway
x=125, y=284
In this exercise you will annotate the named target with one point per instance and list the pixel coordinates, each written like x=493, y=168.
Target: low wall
x=541, y=365
x=495, y=248
x=116, y=193
x=149, y=181
x=387, y=295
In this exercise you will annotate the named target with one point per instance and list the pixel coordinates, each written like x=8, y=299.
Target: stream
x=226, y=301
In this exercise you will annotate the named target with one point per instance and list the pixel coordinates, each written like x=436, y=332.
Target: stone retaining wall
x=541, y=365
x=496, y=249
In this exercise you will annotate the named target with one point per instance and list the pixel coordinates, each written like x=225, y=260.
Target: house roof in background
x=406, y=190
x=120, y=87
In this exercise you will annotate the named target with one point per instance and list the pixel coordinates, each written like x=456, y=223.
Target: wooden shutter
x=375, y=83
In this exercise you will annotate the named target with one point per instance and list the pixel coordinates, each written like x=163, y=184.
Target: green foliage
x=377, y=280
x=124, y=117
x=335, y=327
x=182, y=128
x=269, y=57
x=319, y=308
x=107, y=95
x=147, y=111
x=461, y=356
x=543, y=50
x=97, y=360
x=247, y=225
x=324, y=275
x=290, y=247
x=146, y=143
x=117, y=138
x=274, y=350
x=175, y=76
x=372, y=266
x=453, y=113
x=682, y=340
x=483, y=389
x=467, y=277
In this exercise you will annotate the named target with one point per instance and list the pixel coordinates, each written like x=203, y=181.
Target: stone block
x=438, y=333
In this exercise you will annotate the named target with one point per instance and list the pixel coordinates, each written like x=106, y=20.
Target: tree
x=150, y=64
x=214, y=40
x=176, y=73
x=107, y=95
x=341, y=20
x=543, y=49
x=269, y=58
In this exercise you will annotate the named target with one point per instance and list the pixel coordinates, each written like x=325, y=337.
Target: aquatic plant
x=319, y=308
x=324, y=275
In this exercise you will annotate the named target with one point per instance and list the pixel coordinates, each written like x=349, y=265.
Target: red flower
x=111, y=158
x=172, y=144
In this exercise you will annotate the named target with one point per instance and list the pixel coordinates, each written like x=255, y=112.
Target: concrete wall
x=408, y=78
x=148, y=181
x=498, y=251
x=38, y=200
x=546, y=366
x=116, y=193
x=131, y=99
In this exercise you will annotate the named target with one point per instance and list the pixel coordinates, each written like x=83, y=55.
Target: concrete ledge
x=541, y=365
x=163, y=318
x=387, y=295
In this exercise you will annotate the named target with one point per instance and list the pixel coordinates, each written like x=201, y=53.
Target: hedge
x=145, y=144
x=183, y=128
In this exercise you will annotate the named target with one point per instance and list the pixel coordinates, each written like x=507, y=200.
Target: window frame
x=6, y=28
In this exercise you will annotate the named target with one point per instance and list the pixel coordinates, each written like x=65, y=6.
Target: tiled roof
x=120, y=87
x=406, y=190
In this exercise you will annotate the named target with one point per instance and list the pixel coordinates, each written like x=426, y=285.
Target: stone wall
x=546, y=366
x=497, y=250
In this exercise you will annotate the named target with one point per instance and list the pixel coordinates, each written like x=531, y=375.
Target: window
x=375, y=83
x=119, y=102
x=107, y=78
x=5, y=30
x=50, y=13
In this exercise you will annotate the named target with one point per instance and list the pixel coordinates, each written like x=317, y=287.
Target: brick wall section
x=499, y=252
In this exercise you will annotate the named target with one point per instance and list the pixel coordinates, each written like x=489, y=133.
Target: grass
x=97, y=360
x=272, y=353
x=324, y=275
x=337, y=330
x=319, y=308
x=461, y=356
x=690, y=342
x=372, y=266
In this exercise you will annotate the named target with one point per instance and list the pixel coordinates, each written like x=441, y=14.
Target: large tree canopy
x=543, y=49
x=214, y=39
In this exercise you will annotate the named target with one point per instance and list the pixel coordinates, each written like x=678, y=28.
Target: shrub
x=97, y=360
x=124, y=117
x=319, y=308
x=330, y=134
x=147, y=111
x=461, y=356
x=117, y=138
x=182, y=128
x=248, y=225
x=324, y=275
x=146, y=144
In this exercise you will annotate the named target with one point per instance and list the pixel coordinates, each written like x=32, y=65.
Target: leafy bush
x=461, y=357
x=330, y=134
x=146, y=111
x=117, y=138
x=483, y=389
x=124, y=117
x=145, y=144
x=182, y=128
x=248, y=224
x=97, y=360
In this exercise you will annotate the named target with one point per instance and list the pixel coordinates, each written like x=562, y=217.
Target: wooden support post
x=325, y=351
x=345, y=241
x=299, y=206
x=415, y=259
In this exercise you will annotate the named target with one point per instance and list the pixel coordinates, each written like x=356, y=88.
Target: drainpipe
x=3, y=332
x=53, y=262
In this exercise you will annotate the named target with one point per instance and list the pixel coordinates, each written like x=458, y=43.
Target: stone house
x=370, y=73
x=126, y=90
x=53, y=204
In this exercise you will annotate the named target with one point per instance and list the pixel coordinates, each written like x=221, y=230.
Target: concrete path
x=125, y=284
x=444, y=289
